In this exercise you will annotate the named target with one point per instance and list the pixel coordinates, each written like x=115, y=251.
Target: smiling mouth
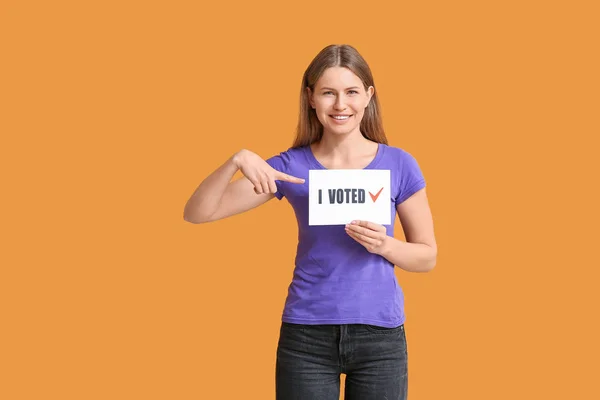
x=340, y=117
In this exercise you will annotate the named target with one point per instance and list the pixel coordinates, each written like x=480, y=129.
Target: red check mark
x=375, y=196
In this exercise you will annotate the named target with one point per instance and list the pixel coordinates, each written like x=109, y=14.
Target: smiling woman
x=339, y=86
x=344, y=311
x=340, y=110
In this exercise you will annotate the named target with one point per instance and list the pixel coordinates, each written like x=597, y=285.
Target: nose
x=340, y=103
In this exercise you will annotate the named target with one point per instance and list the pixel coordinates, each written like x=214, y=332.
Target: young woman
x=344, y=312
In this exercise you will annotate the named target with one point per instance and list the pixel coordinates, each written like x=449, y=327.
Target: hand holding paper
x=371, y=235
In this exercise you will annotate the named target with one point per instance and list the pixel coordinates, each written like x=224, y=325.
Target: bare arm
x=419, y=252
x=217, y=197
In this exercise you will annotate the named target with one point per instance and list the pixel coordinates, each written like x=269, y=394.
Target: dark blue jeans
x=310, y=359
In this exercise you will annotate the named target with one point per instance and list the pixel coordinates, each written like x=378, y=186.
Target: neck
x=342, y=145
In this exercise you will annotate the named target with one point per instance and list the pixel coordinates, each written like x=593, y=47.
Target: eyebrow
x=328, y=88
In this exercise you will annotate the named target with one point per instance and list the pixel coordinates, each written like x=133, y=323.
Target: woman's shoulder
x=400, y=159
x=288, y=158
x=395, y=152
x=293, y=153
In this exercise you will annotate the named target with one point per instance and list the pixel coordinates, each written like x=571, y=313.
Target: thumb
x=280, y=176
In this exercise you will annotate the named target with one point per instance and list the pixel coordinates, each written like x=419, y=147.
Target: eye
x=353, y=91
x=327, y=92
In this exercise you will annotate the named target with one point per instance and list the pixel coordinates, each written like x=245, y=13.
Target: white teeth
x=341, y=117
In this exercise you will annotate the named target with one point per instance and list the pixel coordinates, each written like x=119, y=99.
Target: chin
x=341, y=132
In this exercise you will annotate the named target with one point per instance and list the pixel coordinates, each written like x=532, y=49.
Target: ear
x=310, y=100
x=370, y=93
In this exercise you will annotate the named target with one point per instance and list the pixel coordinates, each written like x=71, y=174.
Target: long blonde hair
x=310, y=129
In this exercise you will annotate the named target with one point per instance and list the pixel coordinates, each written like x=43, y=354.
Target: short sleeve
x=411, y=177
x=280, y=163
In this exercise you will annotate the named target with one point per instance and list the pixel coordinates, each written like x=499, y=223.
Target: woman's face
x=339, y=100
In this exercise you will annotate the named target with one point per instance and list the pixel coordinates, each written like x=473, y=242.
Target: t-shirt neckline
x=315, y=163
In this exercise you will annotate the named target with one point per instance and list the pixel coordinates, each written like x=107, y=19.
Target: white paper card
x=339, y=196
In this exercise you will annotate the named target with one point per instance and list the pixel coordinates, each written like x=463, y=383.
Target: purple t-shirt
x=336, y=280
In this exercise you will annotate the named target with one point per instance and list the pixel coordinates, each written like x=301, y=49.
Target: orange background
x=113, y=112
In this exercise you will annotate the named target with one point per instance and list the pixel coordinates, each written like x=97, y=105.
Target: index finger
x=280, y=176
x=369, y=224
